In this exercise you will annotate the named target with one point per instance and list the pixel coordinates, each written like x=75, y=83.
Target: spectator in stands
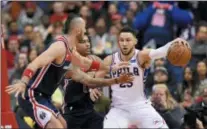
x=199, y=43
x=53, y=31
x=128, y=19
x=201, y=106
x=86, y=15
x=25, y=45
x=167, y=107
x=113, y=17
x=158, y=21
x=33, y=54
x=13, y=50
x=188, y=87
x=59, y=15
x=13, y=29
x=37, y=42
x=30, y=15
x=43, y=28
x=21, y=64
x=202, y=73
x=150, y=78
x=99, y=40
x=111, y=40
x=161, y=76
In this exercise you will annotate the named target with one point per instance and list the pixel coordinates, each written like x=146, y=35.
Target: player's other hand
x=180, y=41
x=119, y=66
x=95, y=94
x=125, y=77
x=18, y=88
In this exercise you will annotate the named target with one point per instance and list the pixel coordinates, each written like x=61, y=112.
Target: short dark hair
x=129, y=30
x=68, y=21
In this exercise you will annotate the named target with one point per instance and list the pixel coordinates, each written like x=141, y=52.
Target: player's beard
x=128, y=53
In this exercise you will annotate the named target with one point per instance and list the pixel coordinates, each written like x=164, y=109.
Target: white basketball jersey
x=128, y=93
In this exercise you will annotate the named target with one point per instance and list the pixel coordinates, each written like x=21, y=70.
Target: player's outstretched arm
x=82, y=77
x=55, y=51
x=146, y=55
x=91, y=65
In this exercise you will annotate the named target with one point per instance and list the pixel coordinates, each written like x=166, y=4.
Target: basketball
x=179, y=53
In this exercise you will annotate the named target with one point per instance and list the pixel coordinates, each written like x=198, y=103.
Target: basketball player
x=129, y=105
x=43, y=75
x=78, y=107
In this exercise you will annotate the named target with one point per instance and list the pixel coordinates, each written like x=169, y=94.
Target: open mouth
x=125, y=49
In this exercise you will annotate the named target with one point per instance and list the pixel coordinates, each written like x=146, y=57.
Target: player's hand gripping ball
x=179, y=53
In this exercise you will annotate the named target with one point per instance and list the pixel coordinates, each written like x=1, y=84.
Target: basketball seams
x=179, y=54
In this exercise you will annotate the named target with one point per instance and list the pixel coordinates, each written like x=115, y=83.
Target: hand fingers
x=11, y=90
x=9, y=87
x=98, y=92
x=92, y=98
x=130, y=79
x=17, y=93
x=95, y=95
x=23, y=95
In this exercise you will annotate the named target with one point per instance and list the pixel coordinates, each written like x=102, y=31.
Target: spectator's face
x=201, y=68
x=205, y=95
x=58, y=7
x=160, y=77
x=30, y=12
x=83, y=47
x=101, y=26
x=13, y=27
x=133, y=6
x=45, y=21
x=13, y=45
x=112, y=9
x=126, y=43
x=202, y=33
x=188, y=74
x=130, y=15
x=58, y=29
x=91, y=32
x=28, y=32
x=84, y=12
x=113, y=30
x=22, y=60
x=32, y=55
x=159, y=95
x=159, y=62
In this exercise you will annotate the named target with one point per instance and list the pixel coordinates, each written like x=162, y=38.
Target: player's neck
x=71, y=38
x=128, y=57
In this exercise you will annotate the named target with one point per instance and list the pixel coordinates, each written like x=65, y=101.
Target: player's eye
x=121, y=40
x=128, y=40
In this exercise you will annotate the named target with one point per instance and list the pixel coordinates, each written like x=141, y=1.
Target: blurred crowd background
x=29, y=27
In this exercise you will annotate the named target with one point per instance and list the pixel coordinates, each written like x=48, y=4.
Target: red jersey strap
x=90, y=57
x=65, y=41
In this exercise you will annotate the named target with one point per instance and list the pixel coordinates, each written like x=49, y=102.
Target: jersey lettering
x=135, y=71
x=126, y=85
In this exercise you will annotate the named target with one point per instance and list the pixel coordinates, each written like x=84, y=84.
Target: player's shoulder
x=94, y=57
x=108, y=59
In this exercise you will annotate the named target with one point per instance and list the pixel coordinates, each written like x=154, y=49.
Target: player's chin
x=125, y=51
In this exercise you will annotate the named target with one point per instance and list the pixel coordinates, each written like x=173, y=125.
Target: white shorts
x=143, y=116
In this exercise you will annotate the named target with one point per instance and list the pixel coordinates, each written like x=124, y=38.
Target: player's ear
x=135, y=40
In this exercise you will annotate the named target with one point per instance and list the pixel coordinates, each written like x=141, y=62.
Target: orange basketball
x=179, y=53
